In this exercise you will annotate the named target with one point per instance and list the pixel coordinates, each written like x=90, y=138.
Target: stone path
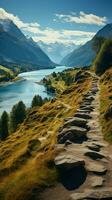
x=83, y=158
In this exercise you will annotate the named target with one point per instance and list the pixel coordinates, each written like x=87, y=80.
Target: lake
x=11, y=93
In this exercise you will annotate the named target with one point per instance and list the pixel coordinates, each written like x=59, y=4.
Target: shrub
x=17, y=115
x=37, y=101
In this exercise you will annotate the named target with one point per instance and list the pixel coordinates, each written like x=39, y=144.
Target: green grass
x=24, y=167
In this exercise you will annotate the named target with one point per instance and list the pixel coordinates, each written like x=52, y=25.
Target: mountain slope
x=16, y=49
x=86, y=54
x=26, y=157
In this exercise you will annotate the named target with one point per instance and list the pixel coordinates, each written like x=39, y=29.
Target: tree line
x=10, y=122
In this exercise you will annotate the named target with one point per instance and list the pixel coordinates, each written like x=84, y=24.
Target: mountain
x=56, y=51
x=86, y=54
x=16, y=49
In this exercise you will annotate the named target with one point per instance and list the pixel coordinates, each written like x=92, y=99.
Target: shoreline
x=5, y=83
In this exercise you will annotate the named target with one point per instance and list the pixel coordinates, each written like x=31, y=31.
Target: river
x=25, y=89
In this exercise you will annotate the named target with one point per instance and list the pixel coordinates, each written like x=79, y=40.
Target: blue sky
x=58, y=20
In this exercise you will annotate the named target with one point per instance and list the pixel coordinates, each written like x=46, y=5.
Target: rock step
x=75, y=121
x=89, y=98
x=96, y=168
x=101, y=144
x=91, y=108
x=68, y=161
x=83, y=115
x=74, y=134
x=88, y=94
x=85, y=103
x=96, y=181
x=94, y=155
x=93, y=194
x=83, y=110
x=73, y=137
x=93, y=147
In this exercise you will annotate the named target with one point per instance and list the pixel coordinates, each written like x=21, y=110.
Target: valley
x=36, y=149
x=55, y=100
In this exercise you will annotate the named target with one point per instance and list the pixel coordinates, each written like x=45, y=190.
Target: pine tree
x=4, y=126
x=17, y=115
x=37, y=101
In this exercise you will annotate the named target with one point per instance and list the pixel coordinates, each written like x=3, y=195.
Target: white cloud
x=31, y=27
x=48, y=35
x=77, y=33
x=83, y=18
x=64, y=36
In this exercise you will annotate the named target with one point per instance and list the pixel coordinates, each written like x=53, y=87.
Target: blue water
x=25, y=89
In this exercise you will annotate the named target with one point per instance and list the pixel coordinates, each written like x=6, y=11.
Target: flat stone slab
x=96, y=181
x=96, y=168
x=97, y=194
x=68, y=161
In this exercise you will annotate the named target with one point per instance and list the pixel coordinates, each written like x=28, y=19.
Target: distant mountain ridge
x=57, y=50
x=16, y=49
x=86, y=54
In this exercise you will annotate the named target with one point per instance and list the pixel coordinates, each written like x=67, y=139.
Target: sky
x=64, y=21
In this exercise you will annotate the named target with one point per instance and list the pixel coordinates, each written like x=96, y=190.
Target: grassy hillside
x=103, y=60
x=106, y=104
x=6, y=74
x=26, y=157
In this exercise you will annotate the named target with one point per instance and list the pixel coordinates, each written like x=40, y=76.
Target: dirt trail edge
x=83, y=158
